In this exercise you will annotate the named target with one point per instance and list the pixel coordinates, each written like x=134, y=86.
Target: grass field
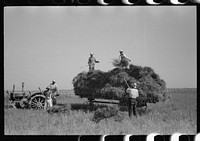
x=178, y=114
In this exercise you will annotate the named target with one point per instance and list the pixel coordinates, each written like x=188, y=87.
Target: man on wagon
x=124, y=61
x=91, y=62
x=133, y=94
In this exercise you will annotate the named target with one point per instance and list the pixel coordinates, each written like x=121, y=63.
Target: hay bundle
x=110, y=92
x=111, y=84
x=64, y=109
x=119, y=64
x=89, y=84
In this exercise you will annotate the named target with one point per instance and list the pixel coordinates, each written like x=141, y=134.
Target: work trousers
x=124, y=63
x=91, y=67
x=48, y=99
x=132, y=107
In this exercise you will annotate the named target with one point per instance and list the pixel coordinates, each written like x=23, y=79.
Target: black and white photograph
x=100, y=70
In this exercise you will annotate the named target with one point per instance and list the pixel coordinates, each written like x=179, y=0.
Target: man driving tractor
x=53, y=88
x=53, y=92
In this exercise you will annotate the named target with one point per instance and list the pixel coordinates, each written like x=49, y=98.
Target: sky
x=42, y=44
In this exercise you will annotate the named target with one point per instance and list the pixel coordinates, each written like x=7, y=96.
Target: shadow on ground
x=86, y=107
x=66, y=108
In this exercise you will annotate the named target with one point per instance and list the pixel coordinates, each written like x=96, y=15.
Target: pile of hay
x=64, y=109
x=111, y=85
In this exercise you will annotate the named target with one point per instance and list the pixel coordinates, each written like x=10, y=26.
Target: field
x=178, y=114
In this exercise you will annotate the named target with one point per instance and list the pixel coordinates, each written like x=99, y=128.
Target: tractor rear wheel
x=38, y=102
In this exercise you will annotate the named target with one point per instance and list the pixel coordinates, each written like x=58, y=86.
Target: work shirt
x=91, y=61
x=122, y=57
x=53, y=88
x=133, y=93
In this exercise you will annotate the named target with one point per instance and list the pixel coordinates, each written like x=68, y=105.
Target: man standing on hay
x=124, y=61
x=91, y=62
x=133, y=94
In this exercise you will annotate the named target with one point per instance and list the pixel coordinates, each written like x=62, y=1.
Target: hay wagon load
x=111, y=85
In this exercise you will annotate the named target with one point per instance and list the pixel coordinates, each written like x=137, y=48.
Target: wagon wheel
x=88, y=103
x=143, y=108
x=38, y=102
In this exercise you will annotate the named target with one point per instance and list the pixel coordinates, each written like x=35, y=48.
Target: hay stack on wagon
x=111, y=85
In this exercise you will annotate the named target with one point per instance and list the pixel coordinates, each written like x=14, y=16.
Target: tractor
x=26, y=99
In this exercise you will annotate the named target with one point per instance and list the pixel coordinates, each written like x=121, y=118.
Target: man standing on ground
x=124, y=61
x=133, y=94
x=91, y=62
x=53, y=89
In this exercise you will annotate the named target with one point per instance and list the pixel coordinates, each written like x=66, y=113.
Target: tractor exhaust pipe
x=22, y=86
x=39, y=89
x=13, y=89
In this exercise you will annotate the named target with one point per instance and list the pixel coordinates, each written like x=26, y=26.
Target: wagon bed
x=112, y=99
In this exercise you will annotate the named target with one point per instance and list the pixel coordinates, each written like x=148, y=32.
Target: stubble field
x=71, y=116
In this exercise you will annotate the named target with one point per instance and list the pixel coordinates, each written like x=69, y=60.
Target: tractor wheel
x=38, y=102
x=23, y=103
